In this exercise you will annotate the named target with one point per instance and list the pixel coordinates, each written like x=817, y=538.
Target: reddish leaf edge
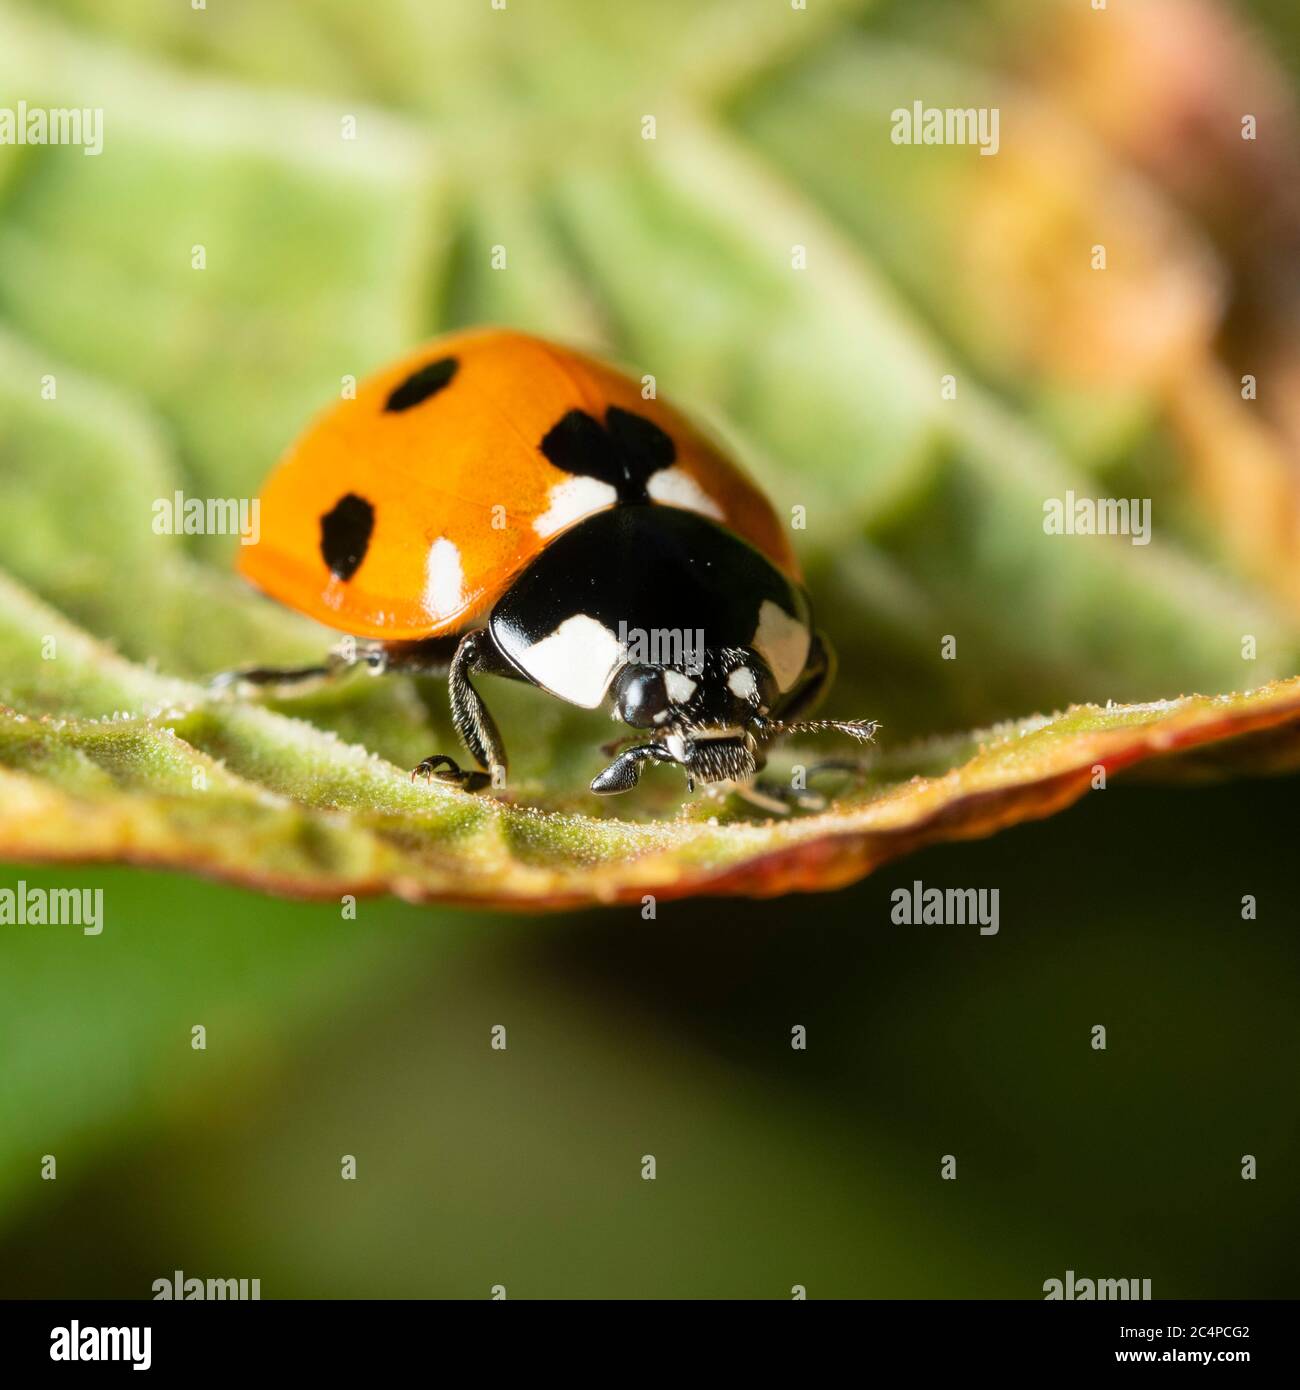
x=830, y=850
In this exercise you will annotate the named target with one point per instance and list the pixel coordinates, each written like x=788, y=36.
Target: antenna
x=863, y=730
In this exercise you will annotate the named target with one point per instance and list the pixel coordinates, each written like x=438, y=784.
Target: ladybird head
x=712, y=718
x=701, y=714
x=718, y=690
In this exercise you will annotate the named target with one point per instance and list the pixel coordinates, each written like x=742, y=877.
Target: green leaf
x=319, y=252
x=146, y=769
x=723, y=256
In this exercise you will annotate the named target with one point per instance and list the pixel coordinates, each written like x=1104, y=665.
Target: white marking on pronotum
x=680, y=688
x=676, y=488
x=783, y=642
x=571, y=500
x=576, y=662
x=444, y=580
x=741, y=683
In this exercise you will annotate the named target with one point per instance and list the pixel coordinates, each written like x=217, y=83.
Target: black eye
x=640, y=696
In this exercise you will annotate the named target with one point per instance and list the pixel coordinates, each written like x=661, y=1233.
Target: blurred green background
x=225, y=127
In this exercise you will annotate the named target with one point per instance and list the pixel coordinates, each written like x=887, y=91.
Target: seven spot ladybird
x=497, y=504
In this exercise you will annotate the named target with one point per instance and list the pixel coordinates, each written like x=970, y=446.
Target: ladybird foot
x=446, y=769
x=247, y=679
x=223, y=683
x=777, y=799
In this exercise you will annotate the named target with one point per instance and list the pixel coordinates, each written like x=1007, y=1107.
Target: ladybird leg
x=473, y=722
x=782, y=798
x=267, y=675
x=343, y=658
x=431, y=656
x=447, y=769
x=777, y=794
x=625, y=771
x=766, y=796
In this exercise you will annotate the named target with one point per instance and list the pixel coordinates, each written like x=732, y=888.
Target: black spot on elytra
x=345, y=535
x=419, y=386
x=642, y=445
x=623, y=452
x=579, y=444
